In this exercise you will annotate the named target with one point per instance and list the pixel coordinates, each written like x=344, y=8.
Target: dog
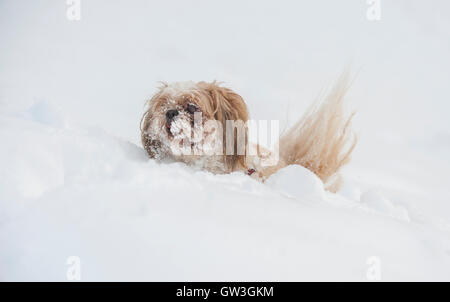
x=205, y=125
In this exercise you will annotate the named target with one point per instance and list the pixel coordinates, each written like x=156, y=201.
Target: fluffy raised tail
x=322, y=141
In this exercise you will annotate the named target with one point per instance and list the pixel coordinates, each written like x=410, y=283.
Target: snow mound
x=375, y=200
x=297, y=181
x=45, y=113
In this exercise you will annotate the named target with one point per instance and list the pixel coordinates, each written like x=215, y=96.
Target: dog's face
x=183, y=119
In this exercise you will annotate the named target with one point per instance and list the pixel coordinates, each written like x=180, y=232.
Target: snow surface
x=74, y=180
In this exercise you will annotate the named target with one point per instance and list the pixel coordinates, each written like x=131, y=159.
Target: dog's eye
x=191, y=108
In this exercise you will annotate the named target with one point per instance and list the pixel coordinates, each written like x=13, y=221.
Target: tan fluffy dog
x=204, y=125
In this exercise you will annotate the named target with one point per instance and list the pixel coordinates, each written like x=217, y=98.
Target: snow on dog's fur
x=321, y=141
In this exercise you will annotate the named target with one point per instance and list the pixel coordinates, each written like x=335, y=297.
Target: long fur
x=215, y=102
x=227, y=105
x=322, y=140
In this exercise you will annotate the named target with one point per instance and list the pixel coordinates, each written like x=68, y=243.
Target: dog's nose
x=171, y=114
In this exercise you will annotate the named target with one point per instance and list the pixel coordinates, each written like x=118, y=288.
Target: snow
x=74, y=180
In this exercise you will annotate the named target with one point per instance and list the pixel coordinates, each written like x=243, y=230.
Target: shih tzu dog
x=207, y=126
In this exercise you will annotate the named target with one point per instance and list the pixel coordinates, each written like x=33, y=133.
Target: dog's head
x=178, y=119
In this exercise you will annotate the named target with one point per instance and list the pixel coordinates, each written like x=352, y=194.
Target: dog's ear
x=148, y=126
x=150, y=144
x=227, y=105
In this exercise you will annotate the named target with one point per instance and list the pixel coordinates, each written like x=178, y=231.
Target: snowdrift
x=71, y=190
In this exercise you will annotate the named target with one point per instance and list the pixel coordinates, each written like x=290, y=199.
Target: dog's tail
x=322, y=141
